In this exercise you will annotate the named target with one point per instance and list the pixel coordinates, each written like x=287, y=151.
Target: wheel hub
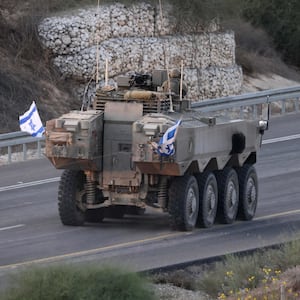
x=210, y=195
x=251, y=191
x=80, y=198
x=232, y=194
x=191, y=199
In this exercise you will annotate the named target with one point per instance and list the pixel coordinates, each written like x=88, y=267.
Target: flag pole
x=181, y=80
x=161, y=12
x=170, y=91
x=106, y=72
x=97, y=53
x=166, y=63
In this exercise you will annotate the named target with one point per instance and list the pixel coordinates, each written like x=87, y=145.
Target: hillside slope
x=26, y=74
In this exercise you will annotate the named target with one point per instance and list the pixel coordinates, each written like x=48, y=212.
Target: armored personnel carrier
x=136, y=145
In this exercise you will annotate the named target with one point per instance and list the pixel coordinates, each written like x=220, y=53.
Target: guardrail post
x=282, y=107
x=226, y=113
x=9, y=153
x=254, y=112
x=39, y=149
x=242, y=112
x=24, y=151
x=297, y=104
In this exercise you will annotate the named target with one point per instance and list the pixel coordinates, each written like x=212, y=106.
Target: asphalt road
x=31, y=231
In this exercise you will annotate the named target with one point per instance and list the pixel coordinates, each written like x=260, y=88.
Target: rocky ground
x=171, y=292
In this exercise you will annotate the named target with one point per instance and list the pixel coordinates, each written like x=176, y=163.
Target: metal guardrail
x=254, y=101
x=9, y=140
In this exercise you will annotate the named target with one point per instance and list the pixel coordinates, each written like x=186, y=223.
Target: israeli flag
x=165, y=147
x=30, y=122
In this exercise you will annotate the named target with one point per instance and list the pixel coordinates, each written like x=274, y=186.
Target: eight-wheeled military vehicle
x=136, y=145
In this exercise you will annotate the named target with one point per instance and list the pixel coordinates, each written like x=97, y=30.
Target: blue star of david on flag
x=165, y=146
x=30, y=122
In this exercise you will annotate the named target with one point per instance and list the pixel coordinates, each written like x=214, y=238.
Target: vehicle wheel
x=70, y=198
x=116, y=212
x=95, y=215
x=228, y=186
x=184, y=202
x=208, y=199
x=248, y=192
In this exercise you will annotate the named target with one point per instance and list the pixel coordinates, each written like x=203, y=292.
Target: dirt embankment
x=26, y=73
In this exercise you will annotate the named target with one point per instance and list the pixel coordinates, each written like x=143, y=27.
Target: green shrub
x=231, y=275
x=281, y=20
x=78, y=283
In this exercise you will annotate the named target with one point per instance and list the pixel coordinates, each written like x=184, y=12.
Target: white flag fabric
x=31, y=122
x=165, y=147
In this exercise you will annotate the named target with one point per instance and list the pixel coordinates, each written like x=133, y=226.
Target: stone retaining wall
x=135, y=38
x=73, y=33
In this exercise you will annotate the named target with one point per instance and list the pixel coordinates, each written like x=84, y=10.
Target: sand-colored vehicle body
x=118, y=159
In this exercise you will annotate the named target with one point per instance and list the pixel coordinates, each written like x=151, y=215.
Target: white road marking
x=281, y=139
x=27, y=184
x=281, y=214
x=11, y=227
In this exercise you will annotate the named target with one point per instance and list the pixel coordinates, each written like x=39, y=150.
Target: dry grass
x=26, y=72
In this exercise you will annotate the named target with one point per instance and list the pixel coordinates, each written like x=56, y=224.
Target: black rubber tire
x=208, y=199
x=228, y=186
x=71, y=183
x=183, y=203
x=248, y=192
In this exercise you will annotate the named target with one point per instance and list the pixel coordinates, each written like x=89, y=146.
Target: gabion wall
x=137, y=38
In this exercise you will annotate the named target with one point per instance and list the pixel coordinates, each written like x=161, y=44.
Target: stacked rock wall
x=138, y=39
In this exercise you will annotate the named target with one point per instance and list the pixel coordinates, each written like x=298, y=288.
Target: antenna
x=161, y=12
x=97, y=53
x=181, y=80
x=106, y=72
x=159, y=33
x=166, y=64
x=170, y=92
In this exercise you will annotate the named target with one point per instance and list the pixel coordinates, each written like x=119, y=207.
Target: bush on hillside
x=281, y=20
